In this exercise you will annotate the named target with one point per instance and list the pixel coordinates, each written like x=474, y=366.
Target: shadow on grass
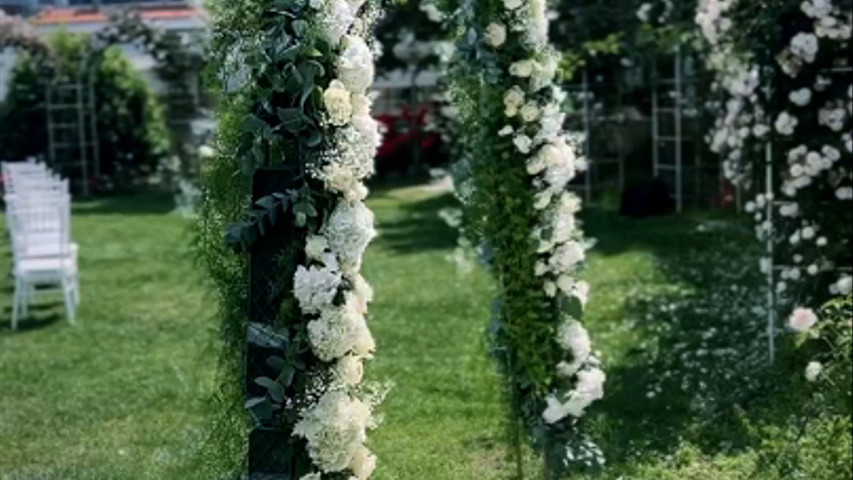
x=697, y=351
x=419, y=227
x=142, y=203
x=663, y=235
x=40, y=316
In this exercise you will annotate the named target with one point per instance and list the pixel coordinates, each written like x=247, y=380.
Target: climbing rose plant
x=783, y=75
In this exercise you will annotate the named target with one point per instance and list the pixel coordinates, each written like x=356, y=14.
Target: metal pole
x=93, y=119
x=679, y=193
x=619, y=139
x=769, y=250
x=81, y=131
x=655, y=126
x=587, y=128
x=51, y=142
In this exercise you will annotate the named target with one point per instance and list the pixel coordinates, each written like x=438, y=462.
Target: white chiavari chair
x=38, y=209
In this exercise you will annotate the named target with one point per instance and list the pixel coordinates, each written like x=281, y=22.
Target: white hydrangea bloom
x=335, y=429
x=573, y=338
x=340, y=330
x=315, y=287
x=348, y=231
x=349, y=370
x=566, y=257
x=537, y=23
x=589, y=388
x=315, y=247
x=355, y=65
x=336, y=19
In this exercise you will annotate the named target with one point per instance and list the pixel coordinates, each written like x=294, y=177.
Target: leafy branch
x=267, y=214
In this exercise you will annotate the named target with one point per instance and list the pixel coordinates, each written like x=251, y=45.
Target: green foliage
x=132, y=130
x=268, y=211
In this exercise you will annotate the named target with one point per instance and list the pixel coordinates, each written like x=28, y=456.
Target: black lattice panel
x=273, y=262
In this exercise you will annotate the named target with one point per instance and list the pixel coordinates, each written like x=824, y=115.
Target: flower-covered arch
x=513, y=182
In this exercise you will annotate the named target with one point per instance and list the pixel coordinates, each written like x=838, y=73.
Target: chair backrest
x=43, y=224
x=38, y=208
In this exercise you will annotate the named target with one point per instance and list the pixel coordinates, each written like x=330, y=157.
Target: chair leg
x=16, y=303
x=69, y=301
x=76, y=287
x=28, y=295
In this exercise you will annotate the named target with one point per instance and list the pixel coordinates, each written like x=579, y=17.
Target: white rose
x=530, y=112
x=363, y=463
x=844, y=285
x=495, y=34
x=337, y=101
x=523, y=143
x=512, y=4
x=802, y=319
x=507, y=130
x=550, y=288
x=355, y=66
x=813, y=370
x=542, y=199
x=514, y=97
x=522, y=68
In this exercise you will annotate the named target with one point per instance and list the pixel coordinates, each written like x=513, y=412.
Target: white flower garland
x=551, y=164
x=335, y=424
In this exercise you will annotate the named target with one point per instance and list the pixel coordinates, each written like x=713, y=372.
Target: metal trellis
x=675, y=148
x=72, y=127
x=593, y=119
x=770, y=250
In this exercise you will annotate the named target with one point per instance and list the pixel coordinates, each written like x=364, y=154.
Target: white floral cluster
x=712, y=20
x=329, y=288
x=354, y=134
x=336, y=429
x=810, y=167
x=535, y=123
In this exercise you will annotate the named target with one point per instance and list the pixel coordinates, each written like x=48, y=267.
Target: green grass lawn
x=123, y=394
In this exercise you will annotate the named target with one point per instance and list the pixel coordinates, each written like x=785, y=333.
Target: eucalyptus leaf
x=276, y=362
x=260, y=407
